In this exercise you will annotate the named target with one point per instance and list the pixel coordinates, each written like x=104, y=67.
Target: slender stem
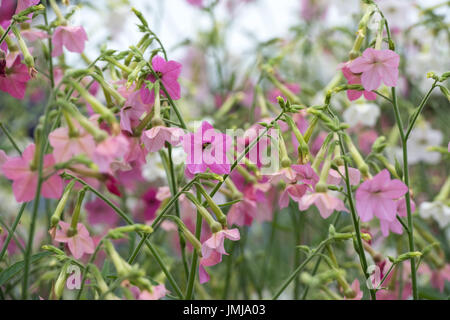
x=361, y=253
x=10, y=137
x=192, y=274
x=407, y=195
x=7, y=31
x=144, y=238
x=13, y=229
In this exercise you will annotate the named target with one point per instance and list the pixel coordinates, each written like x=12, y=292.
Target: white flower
x=437, y=210
x=362, y=113
x=422, y=137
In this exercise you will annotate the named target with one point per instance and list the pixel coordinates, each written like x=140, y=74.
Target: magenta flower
x=376, y=66
x=377, y=197
x=71, y=37
x=324, y=201
x=66, y=146
x=7, y=10
x=356, y=79
x=168, y=72
x=207, y=149
x=15, y=78
x=99, y=212
x=213, y=249
x=80, y=243
x=155, y=138
x=242, y=213
x=150, y=204
x=25, y=178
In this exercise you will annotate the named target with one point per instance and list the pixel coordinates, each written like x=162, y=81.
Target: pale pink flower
x=294, y=191
x=213, y=249
x=157, y=293
x=335, y=177
x=376, y=66
x=207, y=149
x=132, y=111
x=377, y=197
x=25, y=178
x=80, y=243
x=71, y=37
x=168, y=72
x=438, y=276
x=110, y=150
x=65, y=146
x=395, y=226
x=99, y=212
x=155, y=138
x=15, y=78
x=355, y=287
x=242, y=213
x=356, y=79
x=324, y=201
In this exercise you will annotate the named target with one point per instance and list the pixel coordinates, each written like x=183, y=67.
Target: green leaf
x=17, y=267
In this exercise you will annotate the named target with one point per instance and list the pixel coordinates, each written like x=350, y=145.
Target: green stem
x=10, y=138
x=13, y=229
x=407, y=195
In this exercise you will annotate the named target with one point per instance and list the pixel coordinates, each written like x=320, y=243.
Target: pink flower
x=356, y=79
x=395, y=226
x=15, y=78
x=7, y=10
x=99, y=212
x=80, y=243
x=294, y=191
x=242, y=213
x=65, y=146
x=109, y=151
x=168, y=72
x=377, y=197
x=325, y=202
x=213, y=249
x=376, y=66
x=157, y=293
x=438, y=276
x=25, y=178
x=132, y=111
x=151, y=204
x=25, y=4
x=196, y=3
x=355, y=287
x=155, y=138
x=206, y=149
x=71, y=37
x=335, y=177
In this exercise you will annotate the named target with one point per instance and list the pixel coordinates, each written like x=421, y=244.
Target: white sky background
x=176, y=20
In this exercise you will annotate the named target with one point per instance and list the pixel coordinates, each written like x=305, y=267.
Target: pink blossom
x=213, y=249
x=207, y=149
x=71, y=37
x=25, y=178
x=366, y=140
x=395, y=226
x=335, y=177
x=355, y=287
x=25, y=4
x=438, y=276
x=196, y=3
x=66, y=146
x=150, y=204
x=324, y=201
x=155, y=138
x=99, y=212
x=132, y=111
x=377, y=197
x=242, y=213
x=294, y=191
x=168, y=72
x=356, y=79
x=15, y=78
x=109, y=150
x=157, y=293
x=7, y=10
x=80, y=243
x=376, y=66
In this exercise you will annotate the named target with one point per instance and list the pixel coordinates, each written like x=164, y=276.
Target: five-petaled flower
x=78, y=244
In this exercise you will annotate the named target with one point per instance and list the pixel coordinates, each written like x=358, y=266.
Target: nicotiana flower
x=213, y=249
x=422, y=137
x=439, y=211
x=378, y=196
x=353, y=78
x=207, y=149
x=132, y=111
x=66, y=145
x=15, y=77
x=110, y=150
x=395, y=226
x=168, y=72
x=376, y=66
x=326, y=203
x=157, y=293
x=25, y=177
x=355, y=287
x=80, y=243
x=100, y=213
x=71, y=37
x=365, y=114
x=155, y=138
